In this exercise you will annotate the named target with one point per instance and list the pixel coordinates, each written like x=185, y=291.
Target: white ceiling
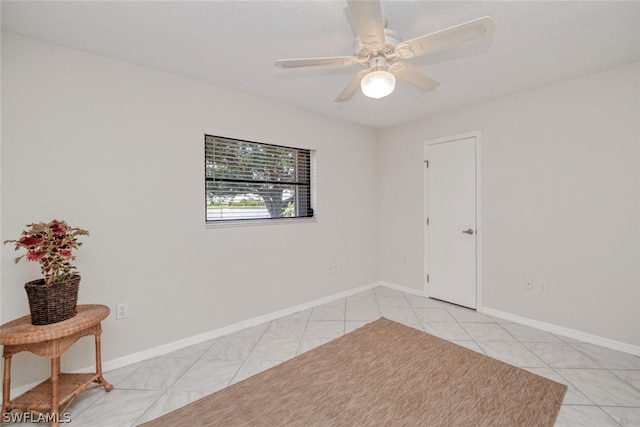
x=234, y=44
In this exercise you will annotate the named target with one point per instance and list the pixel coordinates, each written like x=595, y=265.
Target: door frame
x=425, y=195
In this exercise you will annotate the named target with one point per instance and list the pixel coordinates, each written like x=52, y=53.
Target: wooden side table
x=51, y=341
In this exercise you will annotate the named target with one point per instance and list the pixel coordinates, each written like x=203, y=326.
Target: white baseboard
x=402, y=288
x=560, y=330
x=549, y=327
x=217, y=333
x=226, y=330
x=121, y=362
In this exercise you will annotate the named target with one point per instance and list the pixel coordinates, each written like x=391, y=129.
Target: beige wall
x=118, y=149
x=561, y=181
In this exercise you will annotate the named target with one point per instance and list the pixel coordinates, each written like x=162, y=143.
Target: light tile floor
x=604, y=385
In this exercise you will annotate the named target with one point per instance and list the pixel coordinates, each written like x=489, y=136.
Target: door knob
x=469, y=231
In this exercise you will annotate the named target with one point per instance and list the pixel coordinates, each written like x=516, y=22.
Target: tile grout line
x=166, y=390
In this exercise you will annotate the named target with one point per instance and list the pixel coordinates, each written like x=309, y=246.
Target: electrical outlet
x=405, y=259
x=122, y=311
x=544, y=287
x=528, y=284
x=336, y=268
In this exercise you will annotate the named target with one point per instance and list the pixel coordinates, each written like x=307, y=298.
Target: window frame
x=311, y=153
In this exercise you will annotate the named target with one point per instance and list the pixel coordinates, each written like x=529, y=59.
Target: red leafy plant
x=51, y=245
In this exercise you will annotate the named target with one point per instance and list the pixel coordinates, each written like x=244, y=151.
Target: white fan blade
x=475, y=30
x=365, y=17
x=312, y=62
x=348, y=92
x=415, y=78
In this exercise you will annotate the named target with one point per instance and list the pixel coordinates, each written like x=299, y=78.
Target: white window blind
x=247, y=180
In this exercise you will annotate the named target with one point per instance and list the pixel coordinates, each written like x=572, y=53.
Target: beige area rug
x=382, y=374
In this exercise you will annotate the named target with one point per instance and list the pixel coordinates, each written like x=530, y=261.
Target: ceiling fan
x=382, y=50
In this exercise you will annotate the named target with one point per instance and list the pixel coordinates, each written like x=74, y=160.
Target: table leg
x=6, y=385
x=105, y=384
x=55, y=373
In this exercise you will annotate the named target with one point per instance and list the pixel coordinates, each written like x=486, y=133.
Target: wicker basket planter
x=52, y=303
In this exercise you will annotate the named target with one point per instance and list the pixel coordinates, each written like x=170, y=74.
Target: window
x=247, y=180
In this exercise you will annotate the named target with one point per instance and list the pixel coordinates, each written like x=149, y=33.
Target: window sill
x=254, y=222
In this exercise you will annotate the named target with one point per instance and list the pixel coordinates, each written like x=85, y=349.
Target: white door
x=451, y=221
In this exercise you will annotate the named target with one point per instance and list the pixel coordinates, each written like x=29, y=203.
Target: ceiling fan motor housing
x=368, y=50
x=377, y=63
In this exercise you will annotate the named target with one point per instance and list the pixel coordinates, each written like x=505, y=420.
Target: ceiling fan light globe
x=378, y=84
